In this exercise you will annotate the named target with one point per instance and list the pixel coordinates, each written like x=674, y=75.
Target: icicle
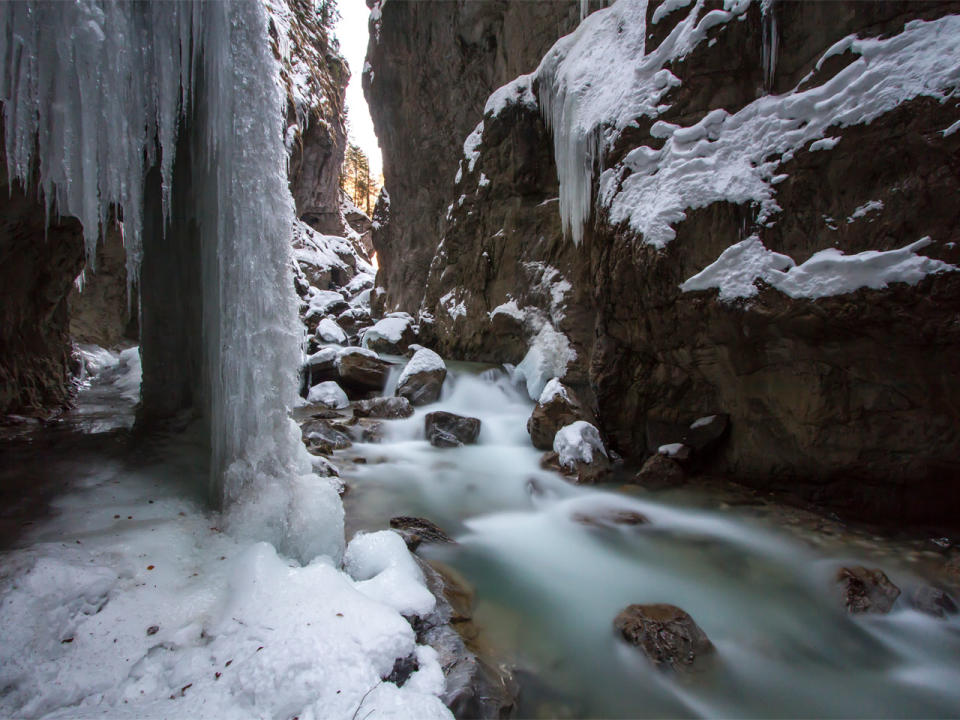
x=771, y=43
x=99, y=89
x=584, y=9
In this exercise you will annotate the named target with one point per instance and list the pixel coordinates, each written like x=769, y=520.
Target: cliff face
x=837, y=384
x=433, y=64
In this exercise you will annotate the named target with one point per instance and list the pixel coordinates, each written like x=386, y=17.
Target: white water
x=94, y=93
x=548, y=587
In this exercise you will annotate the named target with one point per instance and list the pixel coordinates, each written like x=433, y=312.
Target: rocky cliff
x=763, y=195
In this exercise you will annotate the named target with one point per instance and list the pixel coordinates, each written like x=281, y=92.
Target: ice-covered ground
x=131, y=601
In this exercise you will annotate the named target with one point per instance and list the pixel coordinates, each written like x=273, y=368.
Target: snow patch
x=423, y=360
x=828, y=272
x=577, y=442
x=863, y=210
x=553, y=389
x=390, y=329
x=386, y=572
x=329, y=331
x=328, y=394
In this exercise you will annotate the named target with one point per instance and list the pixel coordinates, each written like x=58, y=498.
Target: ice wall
x=94, y=94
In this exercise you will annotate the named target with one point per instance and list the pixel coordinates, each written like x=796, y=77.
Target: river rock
x=354, y=319
x=557, y=407
x=610, y=517
x=319, y=367
x=578, y=451
x=329, y=394
x=329, y=331
x=361, y=371
x=866, y=590
x=660, y=472
x=388, y=408
x=667, y=635
x=444, y=429
x=932, y=601
x=391, y=335
x=323, y=436
x=416, y=531
x=422, y=378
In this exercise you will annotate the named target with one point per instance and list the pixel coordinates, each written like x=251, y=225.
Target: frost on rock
x=828, y=272
x=328, y=394
x=578, y=442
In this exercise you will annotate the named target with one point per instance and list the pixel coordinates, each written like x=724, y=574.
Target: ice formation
x=577, y=442
x=94, y=94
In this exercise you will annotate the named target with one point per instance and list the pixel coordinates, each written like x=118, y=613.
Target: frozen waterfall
x=94, y=95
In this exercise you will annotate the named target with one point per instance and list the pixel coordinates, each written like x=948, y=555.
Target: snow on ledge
x=828, y=272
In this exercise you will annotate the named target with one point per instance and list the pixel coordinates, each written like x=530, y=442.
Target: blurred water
x=548, y=587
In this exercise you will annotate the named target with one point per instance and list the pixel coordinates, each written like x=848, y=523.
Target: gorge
x=646, y=411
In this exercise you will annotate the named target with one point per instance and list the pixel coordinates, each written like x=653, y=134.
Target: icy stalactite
x=771, y=43
x=94, y=94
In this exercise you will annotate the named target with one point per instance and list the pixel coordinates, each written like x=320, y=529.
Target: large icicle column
x=98, y=101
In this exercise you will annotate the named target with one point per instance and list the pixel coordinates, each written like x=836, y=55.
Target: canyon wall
x=844, y=395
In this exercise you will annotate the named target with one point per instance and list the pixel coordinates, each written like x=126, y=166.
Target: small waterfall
x=771, y=43
x=94, y=94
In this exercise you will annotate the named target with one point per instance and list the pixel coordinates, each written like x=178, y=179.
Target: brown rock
x=416, y=531
x=561, y=409
x=866, y=590
x=423, y=387
x=610, y=518
x=667, y=635
x=445, y=429
x=388, y=408
x=660, y=472
x=360, y=373
x=932, y=601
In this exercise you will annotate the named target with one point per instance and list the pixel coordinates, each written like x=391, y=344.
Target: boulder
x=696, y=439
x=866, y=590
x=610, y=517
x=579, y=451
x=416, y=531
x=354, y=319
x=557, y=407
x=391, y=335
x=329, y=394
x=319, y=367
x=667, y=635
x=932, y=601
x=361, y=371
x=660, y=472
x=323, y=436
x=422, y=378
x=390, y=408
x=444, y=429
x=329, y=331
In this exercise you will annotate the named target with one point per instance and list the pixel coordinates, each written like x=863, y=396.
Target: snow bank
x=329, y=331
x=131, y=603
x=577, y=442
x=329, y=394
x=828, y=272
x=385, y=571
x=423, y=360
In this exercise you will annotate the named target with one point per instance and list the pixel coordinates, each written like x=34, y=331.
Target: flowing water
x=548, y=585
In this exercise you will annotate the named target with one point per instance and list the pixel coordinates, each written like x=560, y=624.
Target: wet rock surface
x=388, y=408
x=324, y=436
x=416, y=531
x=660, y=472
x=444, y=429
x=866, y=590
x=560, y=409
x=667, y=635
x=932, y=601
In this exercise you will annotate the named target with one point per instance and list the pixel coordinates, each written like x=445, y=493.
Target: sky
x=352, y=33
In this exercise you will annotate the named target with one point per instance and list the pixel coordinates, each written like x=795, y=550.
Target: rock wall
x=38, y=264
x=848, y=399
x=433, y=64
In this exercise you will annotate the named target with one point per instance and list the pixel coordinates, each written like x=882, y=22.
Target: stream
x=548, y=585
x=550, y=571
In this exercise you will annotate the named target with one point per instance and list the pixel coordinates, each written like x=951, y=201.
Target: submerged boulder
x=390, y=408
x=422, y=378
x=361, y=370
x=444, y=429
x=667, y=635
x=867, y=590
x=557, y=407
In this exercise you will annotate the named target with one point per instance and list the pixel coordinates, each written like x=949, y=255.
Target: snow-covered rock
x=391, y=335
x=329, y=394
x=578, y=442
x=422, y=377
x=329, y=331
